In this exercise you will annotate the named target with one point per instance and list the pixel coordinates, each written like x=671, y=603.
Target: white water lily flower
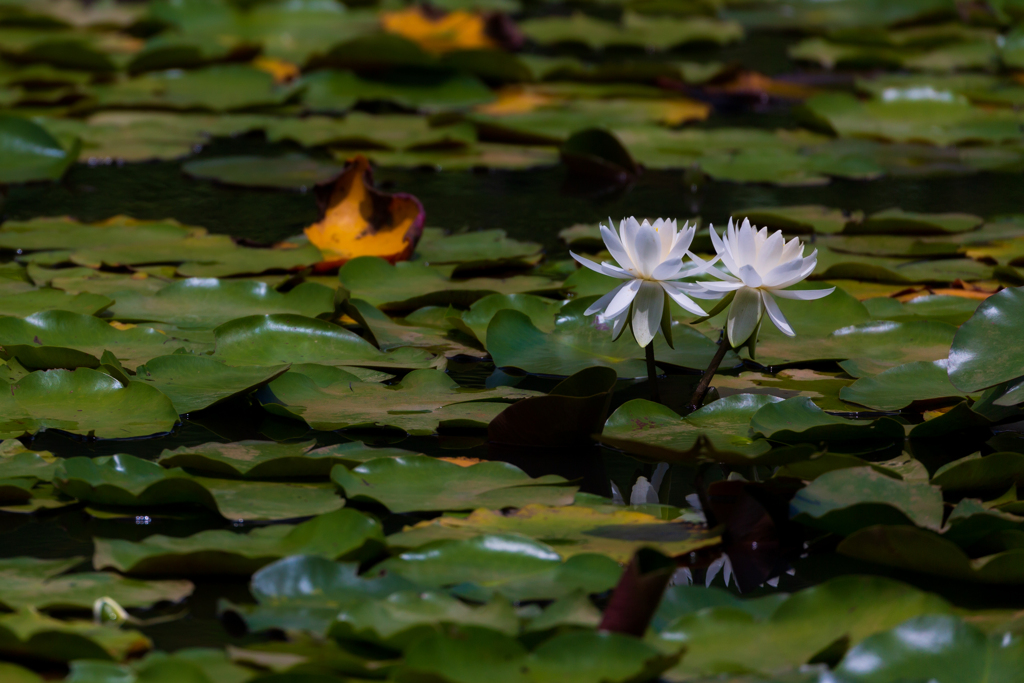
x=650, y=260
x=760, y=266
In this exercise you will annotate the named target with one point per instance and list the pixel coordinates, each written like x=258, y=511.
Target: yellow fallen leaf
x=121, y=326
x=517, y=100
x=363, y=221
x=282, y=71
x=754, y=84
x=462, y=461
x=678, y=112
x=457, y=30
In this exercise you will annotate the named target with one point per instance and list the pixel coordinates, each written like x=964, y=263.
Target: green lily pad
x=899, y=387
x=207, y=303
x=933, y=647
x=475, y=250
x=926, y=552
x=436, y=333
x=798, y=420
x=846, y=500
x=899, y=222
x=63, y=339
x=127, y=481
x=65, y=233
x=217, y=88
x=719, y=431
x=197, y=382
x=84, y=402
x=34, y=301
x=984, y=352
x=29, y=153
x=29, y=582
x=17, y=674
x=409, y=285
x=955, y=310
x=394, y=132
x=809, y=219
x=514, y=566
x=635, y=30
x=16, y=461
x=306, y=592
x=28, y=634
x=931, y=121
x=851, y=608
x=330, y=91
x=269, y=459
x=539, y=310
x=837, y=265
x=291, y=171
x=418, y=482
x=403, y=618
x=419, y=404
x=877, y=345
x=573, y=530
x=580, y=341
x=339, y=534
x=189, y=664
x=289, y=338
x=993, y=472
x=821, y=387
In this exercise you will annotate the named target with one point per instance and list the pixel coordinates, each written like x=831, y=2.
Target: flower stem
x=652, y=372
x=705, y=381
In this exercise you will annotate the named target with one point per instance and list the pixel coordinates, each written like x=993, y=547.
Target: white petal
x=647, y=309
x=587, y=262
x=723, y=248
x=807, y=266
x=614, y=245
x=769, y=253
x=675, y=291
x=775, y=314
x=794, y=248
x=601, y=303
x=666, y=234
x=628, y=230
x=668, y=269
x=621, y=301
x=619, y=323
x=648, y=250
x=744, y=313
x=803, y=294
x=746, y=246
x=750, y=276
x=615, y=271
x=682, y=242
x=722, y=286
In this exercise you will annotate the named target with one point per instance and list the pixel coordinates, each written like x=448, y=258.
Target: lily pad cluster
x=394, y=449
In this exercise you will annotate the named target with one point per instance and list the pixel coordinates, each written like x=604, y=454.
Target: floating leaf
x=289, y=338
x=847, y=609
x=29, y=582
x=985, y=351
x=196, y=382
x=338, y=534
x=719, y=430
x=573, y=530
x=662, y=33
x=61, y=339
x=476, y=250
x=846, y=500
x=29, y=634
x=84, y=402
x=411, y=285
x=580, y=341
x=124, y=480
x=26, y=303
x=899, y=222
x=438, y=33
x=540, y=311
x=269, y=459
x=306, y=592
x=292, y=171
x=574, y=657
x=898, y=387
x=932, y=647
x=360, y=220
x=28, y=152
x=993, y=472
x=814, y=219
x=418, y=482
x=515, y=566
x=419, y=404
x=798, y=420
